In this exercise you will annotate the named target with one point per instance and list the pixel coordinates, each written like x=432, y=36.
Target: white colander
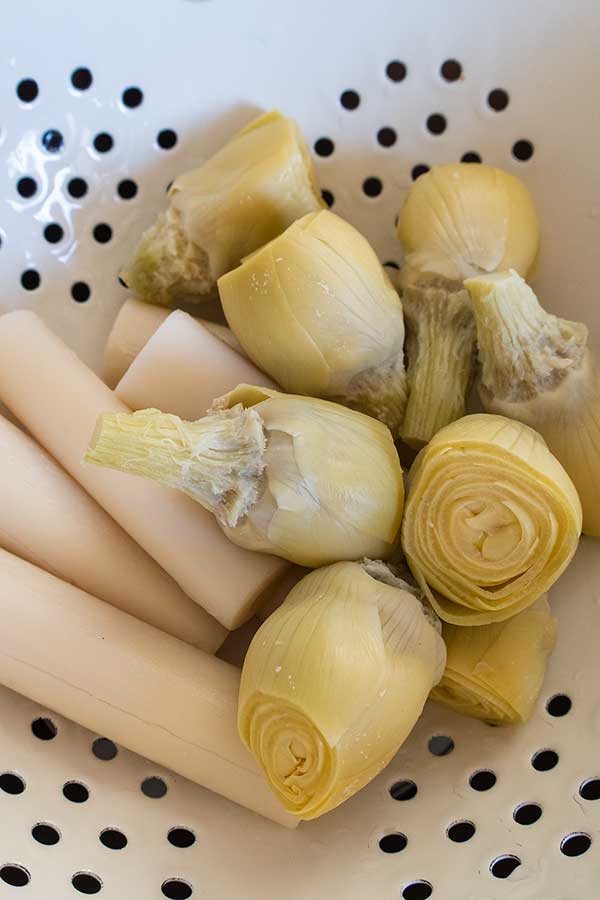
x=380, y=88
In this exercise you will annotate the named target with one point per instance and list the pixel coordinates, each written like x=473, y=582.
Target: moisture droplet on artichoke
x=335, y=680
x=247, y=193
x=495, y=672
x=491, y=519
x=316, y=311
x=538, y=369
x=304, y=479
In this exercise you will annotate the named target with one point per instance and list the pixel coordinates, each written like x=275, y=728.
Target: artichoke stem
x=523, y=349
x=217, y=460
x=440, y=347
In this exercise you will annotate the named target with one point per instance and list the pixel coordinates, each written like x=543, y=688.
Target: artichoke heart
x=460, y=220
x=303, y=479
x=334, y=681
x=247, y=193
x=495, y=672
x=491, y=520
x=315, y=309
x=539, y=369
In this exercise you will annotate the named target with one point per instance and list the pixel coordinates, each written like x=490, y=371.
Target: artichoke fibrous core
x=315, y=309
x=440, y=350
x=333, y=486
x=248, y=192
x=495, y=672
x=491, y=520
x=333, y=683
x=307, y=480
x=460, y=220
x=538, y=369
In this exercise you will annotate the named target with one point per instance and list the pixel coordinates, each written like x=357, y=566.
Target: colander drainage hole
x=417, y=890
x=104, y=749
x=75, y=791
x=324, y=146
x=436, y=123
x=80, y=292
x=176, y=889
x=30, y=279
x=127, y=189
x=26, y=187
x=11, y=783
x=372, y=186
x=350, y=100
x=15, y=875
x=132, y=97
x=328, y=197
x=45, y=834
x=483, y=780
x=27, y=90
x=418, y=170
x=77, y=187
x=181, y=837
x=153, y=787
x=470, y=157
x=575, y=844
x=81, y=79
x=440, y=745
x=53, y=233
x=527, y=813
x=505, y=865
x=403, y=790
x=460, y=832
x=396, y=70
x=522, y=150
x=393, y=843
x=86, y=883
x=559, y=705
x=166, y=139
x=103, y=142
x=44, y=729
x=588, y=790
x=498, y=99
x=544, y=760
x=113, y=839
x=386, y=136
x=102, y=233
x=451, y=70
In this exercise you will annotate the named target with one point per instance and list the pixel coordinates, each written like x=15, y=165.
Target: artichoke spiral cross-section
x=316, y=310
x=491, y=519
x=307, y=480
x=495, y=672
x=334, y=681
x=248, y=192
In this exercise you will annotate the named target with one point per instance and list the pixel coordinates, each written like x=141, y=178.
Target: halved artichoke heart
x=491, y=519
x=247, y=193
x=495, y=672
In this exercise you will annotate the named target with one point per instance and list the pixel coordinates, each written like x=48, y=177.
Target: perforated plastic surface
x=379, y=91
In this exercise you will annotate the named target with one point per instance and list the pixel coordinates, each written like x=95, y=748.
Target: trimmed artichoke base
x=379, y=392
x=167, y=267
